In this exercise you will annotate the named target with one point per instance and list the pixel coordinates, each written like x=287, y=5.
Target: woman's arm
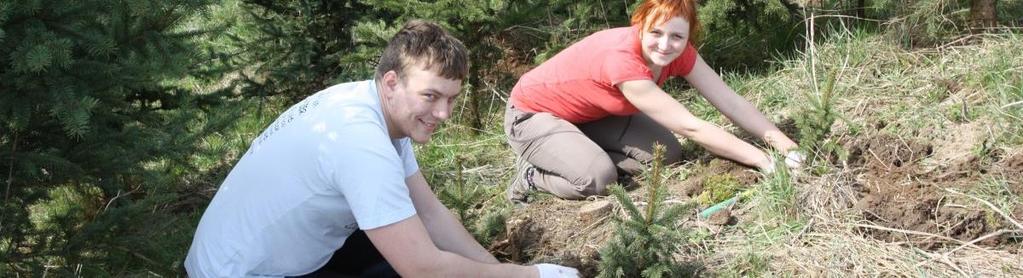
x=665, y=110
x=736, y=108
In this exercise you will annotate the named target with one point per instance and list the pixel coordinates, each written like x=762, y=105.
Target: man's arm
x=444, y=229
x=408, y=248
x=735, y=107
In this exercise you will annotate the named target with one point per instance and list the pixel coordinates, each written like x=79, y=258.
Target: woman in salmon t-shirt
x=596, y=108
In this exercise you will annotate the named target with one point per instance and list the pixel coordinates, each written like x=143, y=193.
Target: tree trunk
x=983, y=13
x=473, y=114
x=861, y=9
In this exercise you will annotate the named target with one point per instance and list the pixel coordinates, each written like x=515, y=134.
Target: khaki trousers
x=576, y=161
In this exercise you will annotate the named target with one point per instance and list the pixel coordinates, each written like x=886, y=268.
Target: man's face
x=416, y=104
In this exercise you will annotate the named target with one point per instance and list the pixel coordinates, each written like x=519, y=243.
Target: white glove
x=794, y=159
x=556, y=271
x=769, y=169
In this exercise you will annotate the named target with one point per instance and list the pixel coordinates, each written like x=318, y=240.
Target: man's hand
x=556, y=271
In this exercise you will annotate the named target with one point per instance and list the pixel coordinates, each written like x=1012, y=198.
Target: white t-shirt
x=323, y=169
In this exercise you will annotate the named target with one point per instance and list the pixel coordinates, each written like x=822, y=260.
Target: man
x=335, y=176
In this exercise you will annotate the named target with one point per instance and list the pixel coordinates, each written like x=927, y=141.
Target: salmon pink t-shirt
x=579, y=84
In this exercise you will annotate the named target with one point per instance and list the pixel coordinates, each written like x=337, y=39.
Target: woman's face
x=663, y=43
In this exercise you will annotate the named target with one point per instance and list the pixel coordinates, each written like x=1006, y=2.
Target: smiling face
x=415, y=105
x=663, y=43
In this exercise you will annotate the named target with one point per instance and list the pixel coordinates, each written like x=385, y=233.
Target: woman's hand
x=779, y=141
x=793, y=160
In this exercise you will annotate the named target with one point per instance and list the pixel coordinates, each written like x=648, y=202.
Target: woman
x=596, y=108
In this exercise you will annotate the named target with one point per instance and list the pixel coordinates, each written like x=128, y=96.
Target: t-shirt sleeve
x=620, y=65
x=408, y=156
x=367, y=169
x=683, y=65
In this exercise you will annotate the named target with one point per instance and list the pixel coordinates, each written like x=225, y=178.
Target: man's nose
x=442, y=111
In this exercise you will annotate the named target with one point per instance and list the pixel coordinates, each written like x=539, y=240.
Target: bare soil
x=897, y=189
x=550, y=231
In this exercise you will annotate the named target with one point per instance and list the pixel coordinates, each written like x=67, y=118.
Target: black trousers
x=356, y=258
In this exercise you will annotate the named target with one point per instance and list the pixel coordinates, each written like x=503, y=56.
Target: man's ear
x=390, y=81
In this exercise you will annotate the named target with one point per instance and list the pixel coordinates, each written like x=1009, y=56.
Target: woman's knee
x=597, y=180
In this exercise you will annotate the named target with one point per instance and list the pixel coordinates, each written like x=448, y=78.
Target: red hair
x=651, y=13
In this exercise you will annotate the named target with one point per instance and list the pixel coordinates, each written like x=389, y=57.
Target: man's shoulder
x=354, y=86
x=351, y=102
x=334, y=113
x=359, y=92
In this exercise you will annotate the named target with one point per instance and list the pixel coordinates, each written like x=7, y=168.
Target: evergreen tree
x=814, y=122
x=295, y=48
x=92, y=121
x=745, y=34
x=645, y=242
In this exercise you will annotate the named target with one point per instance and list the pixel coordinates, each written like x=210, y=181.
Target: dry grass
x=911, y=94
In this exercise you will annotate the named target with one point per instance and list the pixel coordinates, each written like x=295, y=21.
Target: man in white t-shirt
x=332, y=187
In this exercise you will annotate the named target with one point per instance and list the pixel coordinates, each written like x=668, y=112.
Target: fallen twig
x=979, y=239
x=992, y=206
x=919, y=233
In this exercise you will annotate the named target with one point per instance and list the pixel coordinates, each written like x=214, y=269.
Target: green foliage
x=573, y=20
x=814, y=123
x=644, y=243
x=1000, y=77
x=462, y=182
x=743, y=34
x=924, y=22
x=718, y=188
x=776, y=197
x=290, y=48
x=750, y=264
x=465, y=199
x=460, y=196
x=93, y=125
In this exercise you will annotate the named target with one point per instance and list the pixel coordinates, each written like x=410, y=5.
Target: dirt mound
x=1011, y=168
x=897, y=190
x=885, y=153
x=550, y=230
